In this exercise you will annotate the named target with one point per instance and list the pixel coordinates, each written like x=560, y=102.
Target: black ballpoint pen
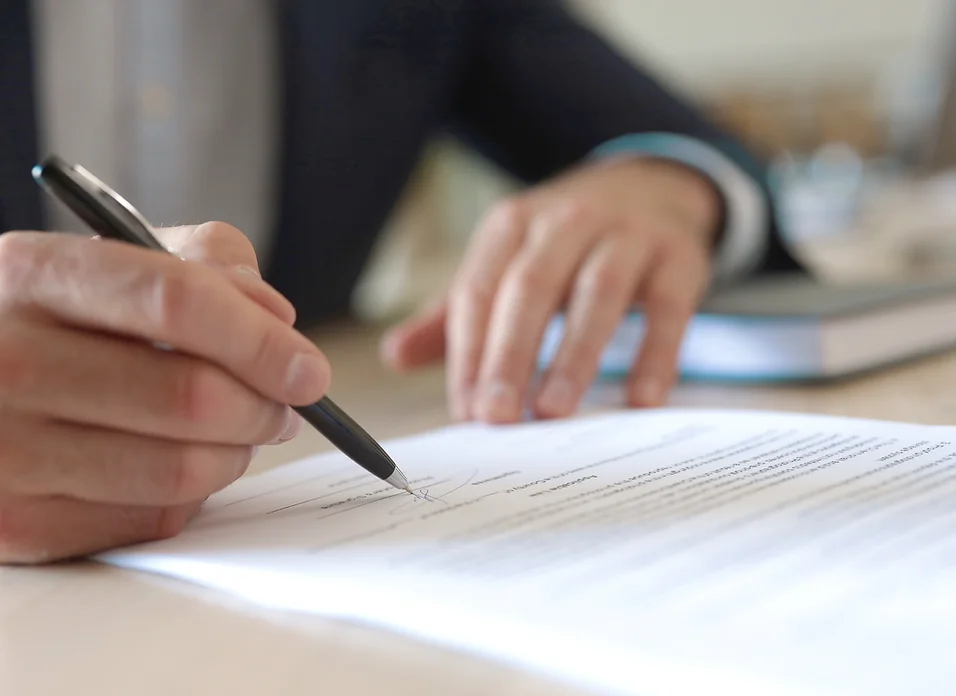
x=111, y=216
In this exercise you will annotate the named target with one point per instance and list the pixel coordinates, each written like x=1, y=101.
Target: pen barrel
x=348, y=436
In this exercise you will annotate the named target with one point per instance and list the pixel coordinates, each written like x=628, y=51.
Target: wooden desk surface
x=86, y=629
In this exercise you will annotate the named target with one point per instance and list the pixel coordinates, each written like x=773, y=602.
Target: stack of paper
x=660, y=552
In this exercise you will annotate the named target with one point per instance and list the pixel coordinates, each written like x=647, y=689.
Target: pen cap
x=101, y=208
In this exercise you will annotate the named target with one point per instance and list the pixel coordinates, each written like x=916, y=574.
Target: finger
x=672, y=293
x=495, y=243
x=44, y=530
x=222, y=246
x=118, y=288
x=212, y=244
x=107, y=466
x=603, y=292
x=418, y=342
x=530, y=293
x=259, y=291
x=114, y=383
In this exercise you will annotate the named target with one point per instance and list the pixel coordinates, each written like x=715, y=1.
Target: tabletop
x=82, y=628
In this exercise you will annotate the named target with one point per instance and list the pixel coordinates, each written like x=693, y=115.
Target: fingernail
x=242, y=465
x=292, y=426
x=306, y=378
x=248, y=270
x=500, y=401
x=648, y=392
x=557, y=396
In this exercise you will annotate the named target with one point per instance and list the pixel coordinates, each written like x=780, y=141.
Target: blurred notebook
x=795, y=328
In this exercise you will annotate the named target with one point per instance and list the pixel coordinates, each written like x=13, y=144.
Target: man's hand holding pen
x=105, y=440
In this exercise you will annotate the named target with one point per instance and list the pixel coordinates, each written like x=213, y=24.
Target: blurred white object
x=819, y=195
x=916, y=222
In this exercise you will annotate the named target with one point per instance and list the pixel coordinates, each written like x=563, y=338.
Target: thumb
x=417, y=342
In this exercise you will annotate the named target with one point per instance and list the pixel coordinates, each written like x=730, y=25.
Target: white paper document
x=650, y=552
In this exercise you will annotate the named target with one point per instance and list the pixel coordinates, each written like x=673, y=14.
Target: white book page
x=656, y=552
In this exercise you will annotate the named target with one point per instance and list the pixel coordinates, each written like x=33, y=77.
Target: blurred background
x=845, y=99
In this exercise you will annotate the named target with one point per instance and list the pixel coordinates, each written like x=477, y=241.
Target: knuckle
x=606, y=282
x=507, y=215
x=507, y=362
x=471, y=293
x=571, y=217
x=216, y=229
x=215, y=235
x=196, y=393
x=188, y=477
x=531, y=278
x=171, y=301
x=576, y=213
x=497, y=375
x=197, y=471
x=267, y=346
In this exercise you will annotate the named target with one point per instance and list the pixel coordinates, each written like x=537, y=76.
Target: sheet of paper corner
x=230, y=547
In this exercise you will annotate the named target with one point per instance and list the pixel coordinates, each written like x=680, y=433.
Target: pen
x=109, y=215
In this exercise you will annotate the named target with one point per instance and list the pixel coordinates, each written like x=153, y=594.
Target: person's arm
x=552, y=103
x=543, y=93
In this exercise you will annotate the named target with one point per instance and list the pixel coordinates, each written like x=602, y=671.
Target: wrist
x=694, y=199
x=700, y=201
x=729, y=202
